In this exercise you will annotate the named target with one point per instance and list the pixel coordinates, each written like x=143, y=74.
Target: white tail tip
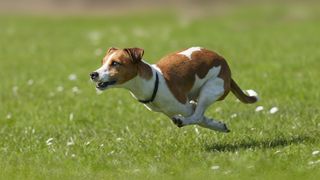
x=251, y=92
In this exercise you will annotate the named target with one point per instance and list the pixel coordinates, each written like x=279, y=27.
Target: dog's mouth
x=104, y=85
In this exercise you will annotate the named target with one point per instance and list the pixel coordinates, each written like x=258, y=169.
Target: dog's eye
x=115, y=63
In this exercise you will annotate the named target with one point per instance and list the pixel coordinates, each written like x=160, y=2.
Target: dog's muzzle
x=104, y=85
x=99, y=83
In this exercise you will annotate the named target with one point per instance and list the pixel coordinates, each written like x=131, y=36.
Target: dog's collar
x=154, y=93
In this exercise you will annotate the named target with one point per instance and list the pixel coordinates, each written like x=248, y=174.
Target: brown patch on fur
x=135, y=54
x=108, y=53
x=225, y=74
x=237, y=91
x=180, y=72
x=144, y=70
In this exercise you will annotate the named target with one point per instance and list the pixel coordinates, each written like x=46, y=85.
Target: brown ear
x=111, y=49
x=135, y=53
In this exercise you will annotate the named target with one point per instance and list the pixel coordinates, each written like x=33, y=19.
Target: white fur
x=189, y=51
x=212, y=73
x=251, y=92
x=103, y=70
x=156, y=68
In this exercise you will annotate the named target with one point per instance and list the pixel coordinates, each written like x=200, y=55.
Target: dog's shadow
x=259, y=144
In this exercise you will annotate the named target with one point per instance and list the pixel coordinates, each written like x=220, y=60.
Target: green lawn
x=52, y=127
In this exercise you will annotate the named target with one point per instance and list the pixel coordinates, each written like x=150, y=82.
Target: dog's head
x=118, y=67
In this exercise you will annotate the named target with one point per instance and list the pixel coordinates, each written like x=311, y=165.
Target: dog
x=182, y=85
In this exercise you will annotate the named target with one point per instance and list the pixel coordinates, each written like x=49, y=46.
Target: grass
x=52, y=127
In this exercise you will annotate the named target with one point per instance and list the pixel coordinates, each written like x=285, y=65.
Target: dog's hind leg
x=210, y=92
x=213, y=124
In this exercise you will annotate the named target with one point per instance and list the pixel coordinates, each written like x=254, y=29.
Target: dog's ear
x=111, y=50
x=135, y=53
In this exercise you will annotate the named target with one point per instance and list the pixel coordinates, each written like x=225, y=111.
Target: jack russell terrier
x=181, y=85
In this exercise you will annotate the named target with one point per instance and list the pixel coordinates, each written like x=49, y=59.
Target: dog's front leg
x=187, y=110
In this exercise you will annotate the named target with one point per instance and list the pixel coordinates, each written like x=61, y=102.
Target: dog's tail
x=252, y=96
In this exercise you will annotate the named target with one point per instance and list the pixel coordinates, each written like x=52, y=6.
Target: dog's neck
x=141, y=88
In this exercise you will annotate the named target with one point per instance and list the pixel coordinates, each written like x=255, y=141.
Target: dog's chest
x=166, y=102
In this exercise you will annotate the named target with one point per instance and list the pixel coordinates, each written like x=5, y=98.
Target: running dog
x=182, y=85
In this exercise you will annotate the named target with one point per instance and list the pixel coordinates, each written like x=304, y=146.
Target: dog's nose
x=94, y=75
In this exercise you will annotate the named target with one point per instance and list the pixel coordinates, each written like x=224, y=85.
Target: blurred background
x=109, y=7
x=100, y=6
x=53, y=123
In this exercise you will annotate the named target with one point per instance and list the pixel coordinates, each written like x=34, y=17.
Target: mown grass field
x=52, y=127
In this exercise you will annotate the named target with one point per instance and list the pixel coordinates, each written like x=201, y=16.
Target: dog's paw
x=227, y=130
x=177, y=121
x=224, y=127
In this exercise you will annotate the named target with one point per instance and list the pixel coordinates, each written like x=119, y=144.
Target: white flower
x=87, y=143
x=136, y=170
x=314, y=162
x=73, y=155
x=75, y=90
x=277, y=152
x=15, y=89
x=72, y=77
x=71, y=116
x=233, y=115
x=196, y=130
x=110, y=153
x=9, y=116
x=310, y=162
x=70, y=142
x=215, y=167
x=315, y=152
x=218, y=109
x=259, y=108
x=49, y=141
x=119, y=139
x=60, y=88
x=30, y=82
x=273, y=110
